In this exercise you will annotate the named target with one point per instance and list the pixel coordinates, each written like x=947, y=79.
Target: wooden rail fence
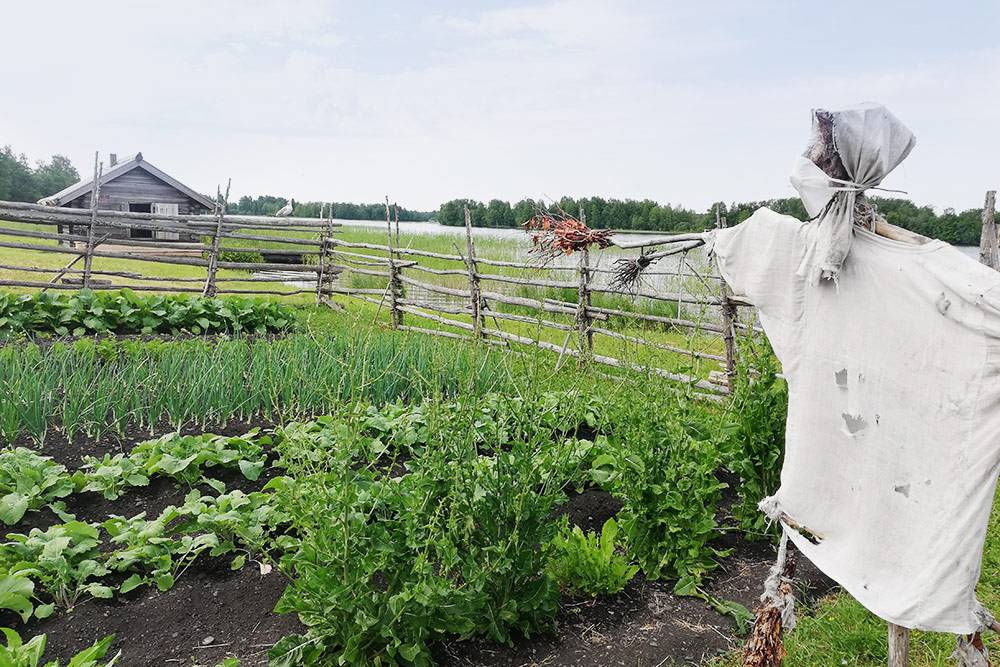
x=464, y=295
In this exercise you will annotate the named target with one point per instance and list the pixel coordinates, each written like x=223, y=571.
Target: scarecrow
x=890, y=344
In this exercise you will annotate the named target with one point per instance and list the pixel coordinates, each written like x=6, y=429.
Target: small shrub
x=662, y=467
x=386, y=564
x=587, y=563
x=242, y=256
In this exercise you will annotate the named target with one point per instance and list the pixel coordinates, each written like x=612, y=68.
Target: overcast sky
x=682, y=102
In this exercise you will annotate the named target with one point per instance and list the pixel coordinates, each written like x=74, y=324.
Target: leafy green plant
x=111, y=475
x=184, y=457
x=64, y=560
x=162, y=549
x=156, y=548
x=29, y=481
x=452, y=547
x=587, y=563
x=17, y=591
x=125, y=312
x=18, y=653
x=663, y=470
x=754, y=448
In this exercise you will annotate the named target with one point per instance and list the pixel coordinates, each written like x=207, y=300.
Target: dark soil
x=206, y=616
x=70, y=451
x=212, y=612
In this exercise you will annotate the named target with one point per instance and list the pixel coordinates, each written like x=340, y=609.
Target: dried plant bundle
x=555, y=234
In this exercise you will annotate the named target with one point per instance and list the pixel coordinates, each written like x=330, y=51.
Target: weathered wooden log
x=988, y=251
x=259, y=221
x=659, y=346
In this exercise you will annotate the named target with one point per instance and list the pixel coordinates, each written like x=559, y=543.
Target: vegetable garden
x=224, y=481
x=344, y=494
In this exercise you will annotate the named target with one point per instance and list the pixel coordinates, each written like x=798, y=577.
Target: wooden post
x=899, y=646
x=583, y=300
x=395, y=211
x=728, y=317
x=95, y=194
x=475, y=297
x=395, y=314
x=213, y=253
x=988, y=252
x=323, y=252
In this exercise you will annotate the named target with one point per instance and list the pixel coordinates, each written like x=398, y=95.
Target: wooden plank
x=673, y=321
x=234, y=221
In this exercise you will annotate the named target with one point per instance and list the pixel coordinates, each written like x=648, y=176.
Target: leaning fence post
x=395, y=314
x=475, y=296
x=728, y=317
x=213, y=253
x=583, y=302
x=988, y=252
x=88, y=258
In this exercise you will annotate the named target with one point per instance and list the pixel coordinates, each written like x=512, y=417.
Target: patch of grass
x=839, y=631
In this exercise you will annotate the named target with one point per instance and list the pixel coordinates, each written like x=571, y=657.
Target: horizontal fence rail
x=570, y=309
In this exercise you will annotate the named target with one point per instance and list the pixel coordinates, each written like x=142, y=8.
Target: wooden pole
x=95, y=195
x=213, y=254
x=323, y=252
x=395, y=285
x=899, y=646
x=728, y=316
x=395, y=210
x=988, y=251
x=584, y=301
x=475, y=295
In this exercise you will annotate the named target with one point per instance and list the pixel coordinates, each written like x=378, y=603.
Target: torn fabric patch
x=893, y=435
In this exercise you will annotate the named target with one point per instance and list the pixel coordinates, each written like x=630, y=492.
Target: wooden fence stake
x=475, y=295
x=899, y=646
x=213, y=253
x=324, y=252
x=95, y=194
x=395, y=284
x=583, y=300
x=728, y=317
x=988, y=251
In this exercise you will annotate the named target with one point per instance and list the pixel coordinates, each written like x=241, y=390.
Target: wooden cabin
x=137, y=186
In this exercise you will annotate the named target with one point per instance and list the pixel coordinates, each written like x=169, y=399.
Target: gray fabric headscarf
x=870, y=142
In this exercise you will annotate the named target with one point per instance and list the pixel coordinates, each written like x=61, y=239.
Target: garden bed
x=212, y=612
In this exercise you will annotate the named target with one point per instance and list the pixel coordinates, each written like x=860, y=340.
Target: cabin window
x=140, y=233
x=166, y=209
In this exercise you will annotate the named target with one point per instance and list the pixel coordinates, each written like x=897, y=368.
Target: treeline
x=268, y=205
x=20, y=181
x=956, y=228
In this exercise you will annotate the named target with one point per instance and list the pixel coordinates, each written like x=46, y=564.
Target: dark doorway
x=140, y=233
